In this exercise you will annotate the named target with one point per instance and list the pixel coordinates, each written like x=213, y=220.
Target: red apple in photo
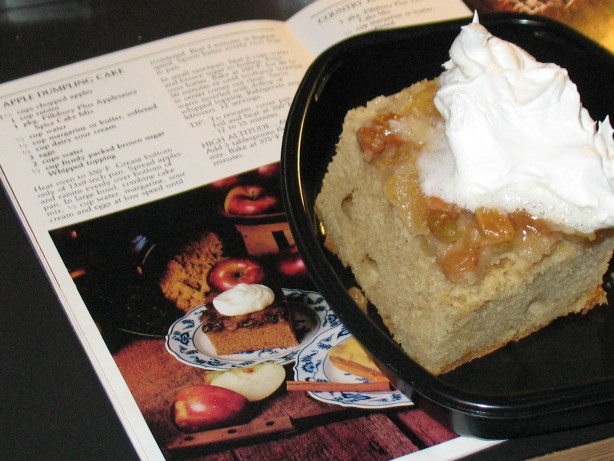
x=225, y=183
x=249, y=200
x=290, y=263
x=203, y=407
x=229, y=272
x=268, y=171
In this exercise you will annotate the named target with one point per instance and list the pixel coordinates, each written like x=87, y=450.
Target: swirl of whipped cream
x=243, y=299
x=517, y=137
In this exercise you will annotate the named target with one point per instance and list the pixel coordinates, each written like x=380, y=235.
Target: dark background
x=53, y=405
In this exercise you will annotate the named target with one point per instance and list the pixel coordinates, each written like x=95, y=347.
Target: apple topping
x=494, y=225
x=444, y=224
x=376, y=137
x=213, y=321
x=463, y=242
x=460, y=261
x=386, y=141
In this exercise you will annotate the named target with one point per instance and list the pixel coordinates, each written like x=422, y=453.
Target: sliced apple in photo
x=211, y=375
x=255, y=383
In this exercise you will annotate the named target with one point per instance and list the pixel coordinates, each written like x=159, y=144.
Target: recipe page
x=324, y=23
x=111, y=134
x=102, y=135
x=132, y=127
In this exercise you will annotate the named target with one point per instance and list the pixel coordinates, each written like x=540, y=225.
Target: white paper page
x=131, y=127
x=326, y=22
x=452, y=450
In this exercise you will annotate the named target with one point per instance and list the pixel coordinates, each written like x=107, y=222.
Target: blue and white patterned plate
x=314, y=364
x=190, y=345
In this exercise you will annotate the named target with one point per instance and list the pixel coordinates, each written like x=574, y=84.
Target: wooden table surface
x=154, y=376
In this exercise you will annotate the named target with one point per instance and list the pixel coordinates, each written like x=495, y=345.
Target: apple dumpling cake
x=248, y=317
x=474, y=208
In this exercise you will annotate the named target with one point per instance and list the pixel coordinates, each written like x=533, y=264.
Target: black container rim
x=465, y=412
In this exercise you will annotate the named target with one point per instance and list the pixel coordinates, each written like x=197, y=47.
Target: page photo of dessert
x=204, y=296
x=179, y=253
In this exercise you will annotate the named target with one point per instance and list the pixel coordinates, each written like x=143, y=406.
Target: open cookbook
x=138, y=173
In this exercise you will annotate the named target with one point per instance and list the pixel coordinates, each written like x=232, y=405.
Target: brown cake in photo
x=267, y=327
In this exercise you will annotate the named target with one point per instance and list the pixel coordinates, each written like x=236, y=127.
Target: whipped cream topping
x=243, y=299
x=517, y=137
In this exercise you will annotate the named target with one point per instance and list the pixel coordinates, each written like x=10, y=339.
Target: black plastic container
x=558, y=378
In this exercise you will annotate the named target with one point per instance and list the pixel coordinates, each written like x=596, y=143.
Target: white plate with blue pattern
x=190, y=345
x=313, y=364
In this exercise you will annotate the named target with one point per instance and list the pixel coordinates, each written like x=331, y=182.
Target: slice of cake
x=246, y=318
x=351, y=357
x=475, y=208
